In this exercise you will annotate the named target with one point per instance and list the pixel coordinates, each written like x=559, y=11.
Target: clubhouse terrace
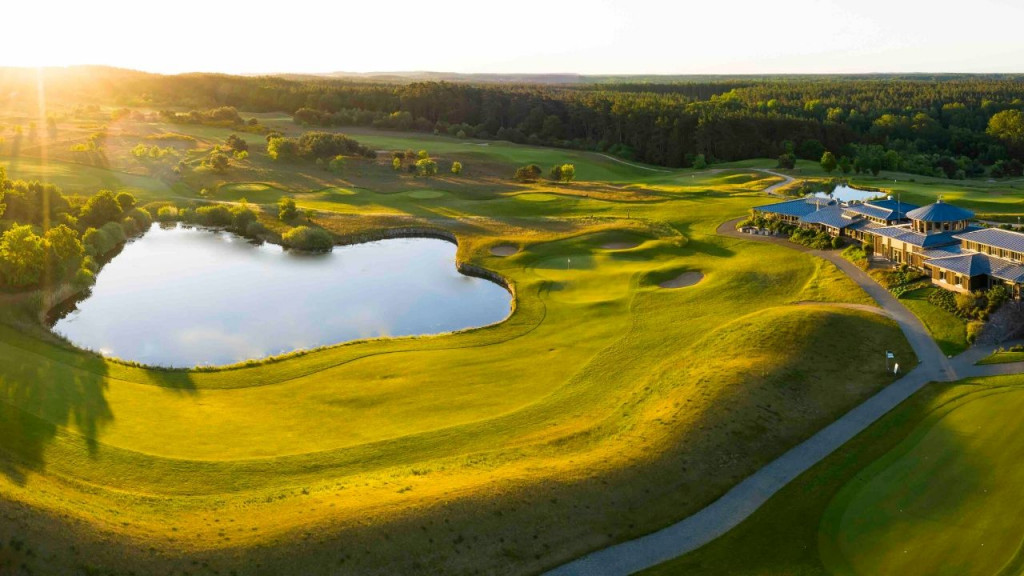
x=938, y=239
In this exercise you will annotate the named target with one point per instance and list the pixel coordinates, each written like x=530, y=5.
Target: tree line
x=49, y=238
x=941, y=125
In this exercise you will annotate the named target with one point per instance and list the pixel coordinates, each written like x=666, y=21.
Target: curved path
x=746, y=497
x=627, y=163
x=773, y=189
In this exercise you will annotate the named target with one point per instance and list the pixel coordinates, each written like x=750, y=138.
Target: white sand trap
x=683, y=280
x=620, y=245
x=504, y=250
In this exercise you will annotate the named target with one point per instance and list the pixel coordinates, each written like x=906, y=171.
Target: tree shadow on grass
x=38, y=397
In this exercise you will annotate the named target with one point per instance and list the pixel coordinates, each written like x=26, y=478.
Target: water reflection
x=844, y=193
x=183, y=297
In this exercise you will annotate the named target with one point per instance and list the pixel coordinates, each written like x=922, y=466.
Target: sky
x=524, y=36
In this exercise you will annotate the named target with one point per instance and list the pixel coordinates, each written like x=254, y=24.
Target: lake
x=182, y=296
x=844, y=193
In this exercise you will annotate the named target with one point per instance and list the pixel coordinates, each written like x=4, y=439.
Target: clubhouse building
x=938, y=239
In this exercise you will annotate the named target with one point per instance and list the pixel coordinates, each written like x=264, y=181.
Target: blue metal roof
x=799, y=207
x=903, y=233
x=831, y=216
x=977, y=264
x=999, y=238
x=889, y=210
x=940, y=212
x=942, y=251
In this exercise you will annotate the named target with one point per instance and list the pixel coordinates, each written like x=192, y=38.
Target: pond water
x=183, y=297
x=844, y=193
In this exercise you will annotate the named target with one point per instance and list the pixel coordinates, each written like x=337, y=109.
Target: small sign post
x=888, y=356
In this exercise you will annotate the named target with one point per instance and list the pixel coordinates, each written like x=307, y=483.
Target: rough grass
x=604, y=408
x=931, y=488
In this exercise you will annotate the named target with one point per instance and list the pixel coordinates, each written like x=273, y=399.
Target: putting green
x=426, y=194
x=946, y=500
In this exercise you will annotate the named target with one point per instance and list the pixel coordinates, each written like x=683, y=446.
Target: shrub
x=115, y=232
x=255, y=229
x=85, y=277
x=141, y=217
x=307, y=238
x=856, y=255
x=528, y=173
x=241, y=217
x=217, y=215
x=944, y=299
x=286, y=209
x=974, y=329
x=426, y=167
x=996, y=297
x=966, y=304
x=167, y=214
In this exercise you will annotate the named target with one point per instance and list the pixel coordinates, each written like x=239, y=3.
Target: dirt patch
x=504, y=250
x=683, y=280
x=619, y=245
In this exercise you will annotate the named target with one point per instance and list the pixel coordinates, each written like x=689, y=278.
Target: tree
x=845, y=165
x=699, y=162
x=125, y=200
x=829, y=162
x=396, y=163
x=811, y=149
x=308, y=238
x=555, y=173
x=337, y=164
x=423, y=155
x=568, y=173
x=237, y=144
x=100, y=209
x=456, y=167
x=218, y=162
x=280, y=147
x=22, y=256
x=64, y=249
x=786, y=161
x=286, y=209
x=1007, y=126
x=426, y=167
x=528, y=173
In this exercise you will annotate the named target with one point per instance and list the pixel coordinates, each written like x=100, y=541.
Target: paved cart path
x=746, y=497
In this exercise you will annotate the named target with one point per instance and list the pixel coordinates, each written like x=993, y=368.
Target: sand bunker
x=504, y=250
x=619, y=245
x=683, y=280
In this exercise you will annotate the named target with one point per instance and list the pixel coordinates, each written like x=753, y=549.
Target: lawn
x=932, y=488
x=948, y=329
x=603, y=408
x=1006, y=357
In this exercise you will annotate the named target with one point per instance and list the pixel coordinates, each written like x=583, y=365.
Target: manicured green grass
x=84, y=179
x=930, y=489
x=601, y=392
x=948, y=329
x=1003, y=358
